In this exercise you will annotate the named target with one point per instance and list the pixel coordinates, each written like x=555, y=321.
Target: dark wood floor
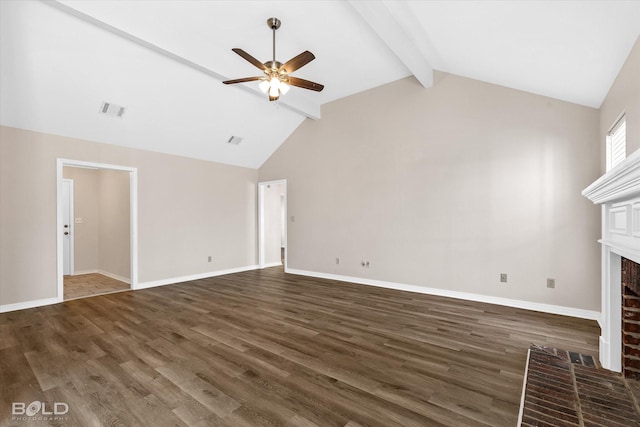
x=264, y=348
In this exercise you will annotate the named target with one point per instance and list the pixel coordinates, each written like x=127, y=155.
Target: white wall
x=187, y=210
x=447, y=188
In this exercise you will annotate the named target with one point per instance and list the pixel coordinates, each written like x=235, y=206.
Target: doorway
x=272, y=224
x=100, y=220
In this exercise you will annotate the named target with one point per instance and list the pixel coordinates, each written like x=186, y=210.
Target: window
x=616, y=143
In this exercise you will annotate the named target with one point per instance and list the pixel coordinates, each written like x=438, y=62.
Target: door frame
x=72, y=229
x=261, y=227
x=133, y=216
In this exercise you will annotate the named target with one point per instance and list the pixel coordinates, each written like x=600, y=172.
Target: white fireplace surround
x=618, y=191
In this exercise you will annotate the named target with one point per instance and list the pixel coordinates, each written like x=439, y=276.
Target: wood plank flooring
x=85, y=285
x=262, y=348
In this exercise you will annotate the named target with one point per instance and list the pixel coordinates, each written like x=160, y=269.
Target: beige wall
x=188, y=210
x=114, y=231
x=85, y=206
x=623, y=97
x=447, y=188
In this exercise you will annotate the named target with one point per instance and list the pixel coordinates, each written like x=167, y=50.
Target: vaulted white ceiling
x=165, y=60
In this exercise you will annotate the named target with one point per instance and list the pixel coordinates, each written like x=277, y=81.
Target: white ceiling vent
x=235, y=140
x=111, y=109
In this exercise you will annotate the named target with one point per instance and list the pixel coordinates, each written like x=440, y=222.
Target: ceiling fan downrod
x=274, y=24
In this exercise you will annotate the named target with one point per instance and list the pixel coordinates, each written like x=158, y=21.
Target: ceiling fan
x=277, y=79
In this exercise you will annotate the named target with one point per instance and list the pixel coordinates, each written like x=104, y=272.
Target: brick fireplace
x=618, y=192
x=631, y=319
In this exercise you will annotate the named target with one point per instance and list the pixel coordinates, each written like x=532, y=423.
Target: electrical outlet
x=210, y=258
x=367, y=264
x=337, y=260
x=551, y=283
x=503, y=277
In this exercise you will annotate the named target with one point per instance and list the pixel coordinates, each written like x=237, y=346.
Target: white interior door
x=272, y=230
x=67, y=226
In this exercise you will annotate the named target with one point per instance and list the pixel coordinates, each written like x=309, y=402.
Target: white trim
x=261, y=243
x=173, y=280
x=527, y=305
x=133, y=214
x=42, y=302
x=622, y=181
x=261, y=227
x=115, y=276
x=82, y=272
x=524, y=388
x=72, y=227
x=272, y=264
x=27, y=304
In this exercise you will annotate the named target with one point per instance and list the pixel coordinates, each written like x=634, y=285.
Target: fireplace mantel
x=618, y=191
x=621, y=182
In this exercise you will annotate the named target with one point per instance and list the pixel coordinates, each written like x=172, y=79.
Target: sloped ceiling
x=165, y=60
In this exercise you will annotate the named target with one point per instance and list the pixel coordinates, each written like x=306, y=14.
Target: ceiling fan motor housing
x=273, y=23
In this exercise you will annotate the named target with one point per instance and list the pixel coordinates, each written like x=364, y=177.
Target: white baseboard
x=272, y=264
x=27, y=304
x=42, y=302
x=81, y=272
x=115, y=276
x=173, y=280
x=527, y=305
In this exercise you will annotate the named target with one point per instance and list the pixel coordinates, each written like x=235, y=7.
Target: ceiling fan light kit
x=276, y=80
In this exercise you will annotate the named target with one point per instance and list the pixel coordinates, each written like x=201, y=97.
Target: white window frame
x=617, y=143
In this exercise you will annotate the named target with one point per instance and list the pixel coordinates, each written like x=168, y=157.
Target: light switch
x=78, y=220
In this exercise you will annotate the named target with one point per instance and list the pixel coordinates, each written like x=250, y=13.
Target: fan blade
x=243, y=80
x=249, y=58
x=297, y=62
x=305, y=84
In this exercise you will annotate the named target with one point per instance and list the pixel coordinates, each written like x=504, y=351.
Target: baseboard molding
x=527, y=305
x=173, y=280
x=42, y=302
x=272, y=264
x=28, y=304
x=81, y=272
x=115, y=276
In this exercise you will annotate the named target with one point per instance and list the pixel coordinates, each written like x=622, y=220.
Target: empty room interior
x=319, y=213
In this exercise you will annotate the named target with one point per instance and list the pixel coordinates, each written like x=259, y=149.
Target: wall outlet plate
x=551, y=283
x=503, y=277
